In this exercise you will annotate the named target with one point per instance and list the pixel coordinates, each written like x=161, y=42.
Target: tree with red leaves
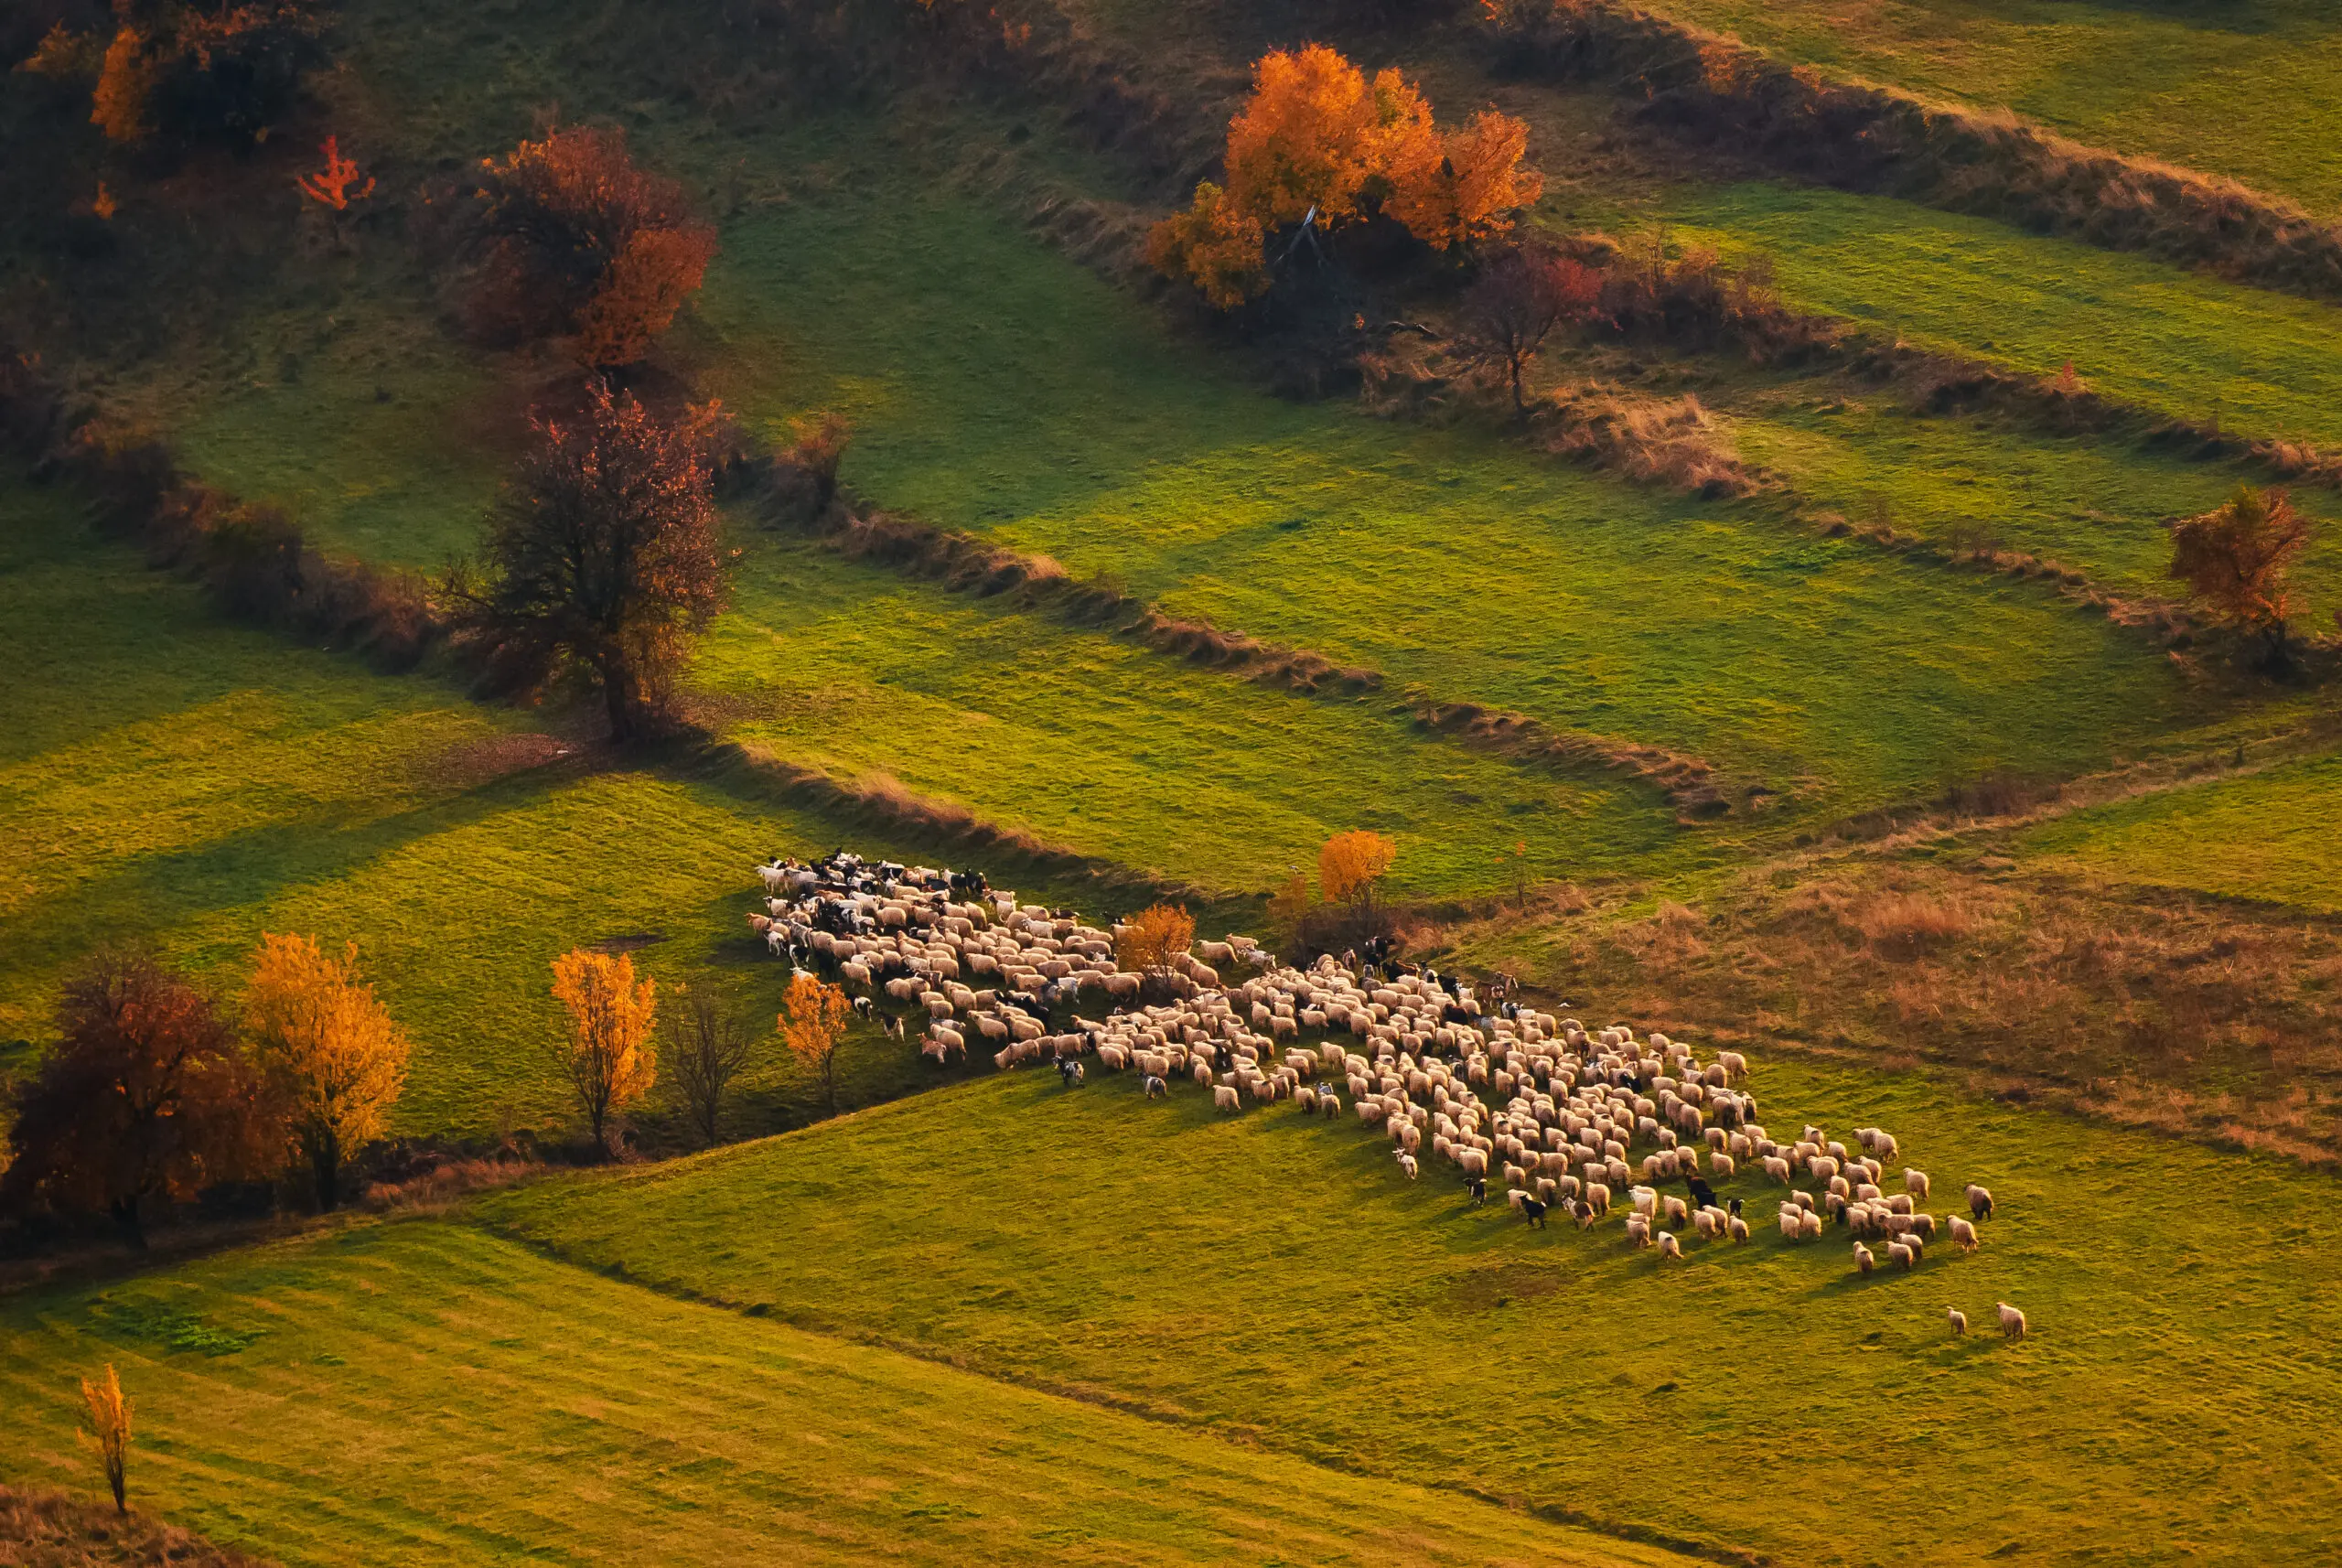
x=146, y=1094
x=579, y=239
x=1516, y=304
x=605, y=556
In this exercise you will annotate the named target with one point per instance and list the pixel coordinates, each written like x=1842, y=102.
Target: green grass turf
x=1126, y=753
x=2267, y=835
x=419, y=1391
x=2100, y=508
x=1269, y=1274
x=2180, y=343
x=2250, y=89
x=168, y=776
x=1064, y=418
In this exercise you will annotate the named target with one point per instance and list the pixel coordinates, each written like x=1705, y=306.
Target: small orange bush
x=1151, y=939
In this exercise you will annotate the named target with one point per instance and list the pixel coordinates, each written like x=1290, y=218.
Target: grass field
x=1126, y=753
x=1067, y=421
x=2180, y=343
x=308, y=1401
x=168, y=776
x=2245, y=89
x=2268, y=835
x=1271, y=1276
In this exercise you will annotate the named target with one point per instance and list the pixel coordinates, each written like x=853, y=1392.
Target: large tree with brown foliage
x=605, y=555
x=1515, y=302
x=579, y=239
x=145, y=1094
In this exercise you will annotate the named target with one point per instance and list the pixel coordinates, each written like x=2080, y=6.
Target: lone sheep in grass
x=1407, y=1163
x=2012, y=1322
x=1963, y=1234
x=1915, y=1184
x=1958, y=1321
x=1155, y=1086
x=1980, y=1202
x=1668, y=1247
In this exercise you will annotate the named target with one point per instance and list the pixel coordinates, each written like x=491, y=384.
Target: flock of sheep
x=1564, y=1109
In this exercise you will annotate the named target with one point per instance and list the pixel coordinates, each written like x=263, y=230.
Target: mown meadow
x=1275, y=1277
x=308, y=1400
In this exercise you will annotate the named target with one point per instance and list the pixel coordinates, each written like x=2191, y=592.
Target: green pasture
x=2270, y=835
x=1126, y=753
x=2250, y=89
x=419, y=1391
x=168, y=777
x=2099, y=508
x=1276, y=1276
x=2180, y=343
x=1065, y=418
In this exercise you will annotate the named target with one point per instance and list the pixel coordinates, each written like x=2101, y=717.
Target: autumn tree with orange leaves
x=577, y=239
x=336, y=186
x=333, y=1057
x=813, y=1019
x=1149, y=941
x=606, y=1051
x=1319, y=145
x=1352, y=866
x=604, y=558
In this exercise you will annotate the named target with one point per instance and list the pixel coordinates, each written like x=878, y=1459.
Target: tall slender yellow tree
x=333, y=1057
x=812, y=1025
x=109, y=1433
x=607, y=1056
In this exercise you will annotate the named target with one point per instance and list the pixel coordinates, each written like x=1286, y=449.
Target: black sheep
x=1533, y=1211
x=1703, y=1195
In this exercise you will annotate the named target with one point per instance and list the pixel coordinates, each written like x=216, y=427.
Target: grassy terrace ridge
x=2178, y=343
x=311, y=1400
x=1218, y=782
x=1276, y=1276
x=2247, y=90
x=2267, y=835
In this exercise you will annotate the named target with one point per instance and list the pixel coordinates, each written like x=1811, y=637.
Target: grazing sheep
x=1721, y=1166
x=1737, y=1227
x=1901, y=1256
x=1304, y=1100
x=1407, y=1163
x=1809, y=1227
x=1638, y=1230
x=1958, y=1319
x=2012, y=1322
x=1668, y=1247
x=1963, y=1234
x=1597, y=1197
x=1980, y=1202
x=1154, y=1086
x=1673, y=1211
x=1778, y=1168
x=1862, y=1258
x=1915, y=1184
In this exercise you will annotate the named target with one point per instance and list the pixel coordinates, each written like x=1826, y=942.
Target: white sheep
x=1638, y=1230
x=1862, y=1258
x=1916, y=1183
x=2012, y=1322
x=1668, y=1247
x=1900, y=1255
x=1963, y=1234
x=1980, y=1202
x=1958, y=1319
x=1407, y=1163
x=1225, y=1099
